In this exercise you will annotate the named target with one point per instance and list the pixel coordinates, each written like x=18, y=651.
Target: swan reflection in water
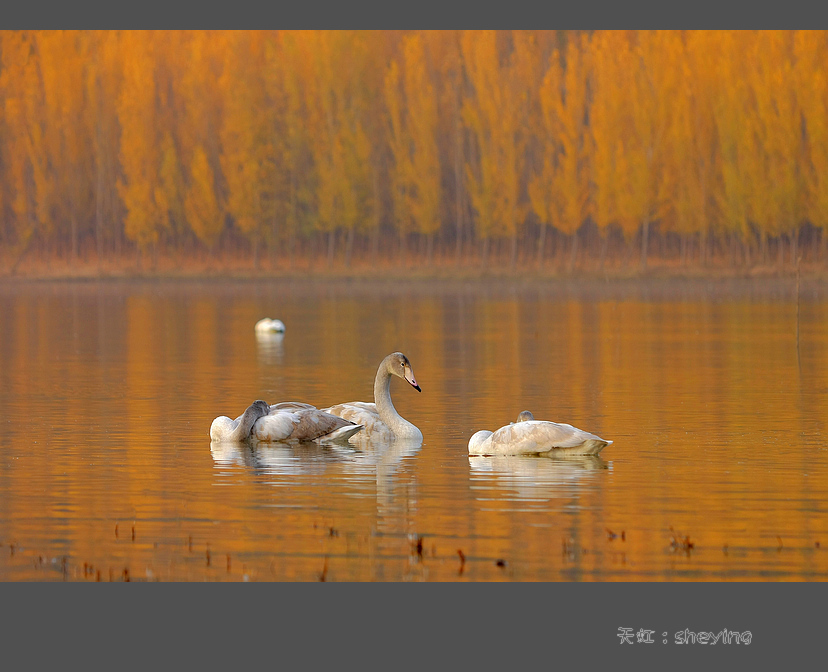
x=270, y=347
x=311, y=459
x=536, y=477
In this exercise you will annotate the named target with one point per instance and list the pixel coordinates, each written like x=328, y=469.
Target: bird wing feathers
x=364, y=413
x=540, y=436
x=304, y=423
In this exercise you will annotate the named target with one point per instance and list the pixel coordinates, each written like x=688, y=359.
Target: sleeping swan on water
x=528, y=436
x=268, y=326
x=289, y=421
x=380, y=419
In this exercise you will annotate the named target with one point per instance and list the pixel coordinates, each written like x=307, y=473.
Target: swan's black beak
x=409, y=377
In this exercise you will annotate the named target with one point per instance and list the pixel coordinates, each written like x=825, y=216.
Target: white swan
x=268, y=326
x=381, y=421
x=528, y=436
x=288, y=421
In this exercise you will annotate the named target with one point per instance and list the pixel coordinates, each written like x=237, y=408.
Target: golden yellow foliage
x=139, y=150
x=200, y=203
x=175, y=137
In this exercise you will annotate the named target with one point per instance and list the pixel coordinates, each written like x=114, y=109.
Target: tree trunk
x=403, y=250
x=780, y=252
x=374, y=244
x=458, y=181
x=24, y=248
x=731, y=249
x=703, y=248
x=513, y=260
x=794, y=245
x=99, y=214
x=330, y=248
x=349, y=247
x=541, y=243
x=291, y=217
x=645, y=240
x=74, y=219
x=291, y=245
x=604, y=245
x=573, y=252
x=747, y=241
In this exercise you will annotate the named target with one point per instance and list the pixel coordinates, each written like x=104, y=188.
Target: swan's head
x=524, y=416
x=398, y=364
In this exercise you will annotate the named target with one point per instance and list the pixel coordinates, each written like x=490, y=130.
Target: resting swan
x=225, y=429
x=268, y=326
x=287, y=421
x=380, y=419
x=528, y=436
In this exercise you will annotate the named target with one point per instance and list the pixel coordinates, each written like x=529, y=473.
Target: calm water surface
x=718, y=470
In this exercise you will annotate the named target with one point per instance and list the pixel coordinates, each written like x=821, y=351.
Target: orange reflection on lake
x=717, y=471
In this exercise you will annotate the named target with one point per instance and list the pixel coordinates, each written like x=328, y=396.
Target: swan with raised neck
x=381, y=419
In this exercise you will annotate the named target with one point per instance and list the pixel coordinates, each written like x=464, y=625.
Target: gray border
x=394, y=626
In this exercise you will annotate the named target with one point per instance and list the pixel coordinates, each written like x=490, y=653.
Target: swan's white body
x=269, y=326
x=381, y=421
x=288, y=421
x=528, y=436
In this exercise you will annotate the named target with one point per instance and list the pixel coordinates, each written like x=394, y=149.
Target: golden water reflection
x=108, y=391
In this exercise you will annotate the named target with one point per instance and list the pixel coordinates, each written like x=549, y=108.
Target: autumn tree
x=337, y=107
x=811, y=83
x=20, y=86
x=102, y=85
x=139, y=151
x=66, y=184
x=248, y=141
x=412, y=113
x=605, y=150
x=494, y=115
x=777, y=127
x=559, y=193
x=691, y=147
x=199, y=133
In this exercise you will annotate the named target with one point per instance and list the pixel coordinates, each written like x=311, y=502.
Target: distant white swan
x=268, y=326
x=528, y=436
x=381, y=421
x=287, y=421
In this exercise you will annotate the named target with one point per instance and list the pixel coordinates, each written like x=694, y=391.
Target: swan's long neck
x=246, y=423
x=385, y=407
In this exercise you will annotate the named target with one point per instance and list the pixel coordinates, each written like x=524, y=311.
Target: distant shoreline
x=661, y=281
x=446, y=268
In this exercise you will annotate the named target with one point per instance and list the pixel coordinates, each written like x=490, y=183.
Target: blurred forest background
x=514, y=149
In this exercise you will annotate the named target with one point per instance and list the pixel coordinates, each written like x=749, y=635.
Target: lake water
x=713, y=395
